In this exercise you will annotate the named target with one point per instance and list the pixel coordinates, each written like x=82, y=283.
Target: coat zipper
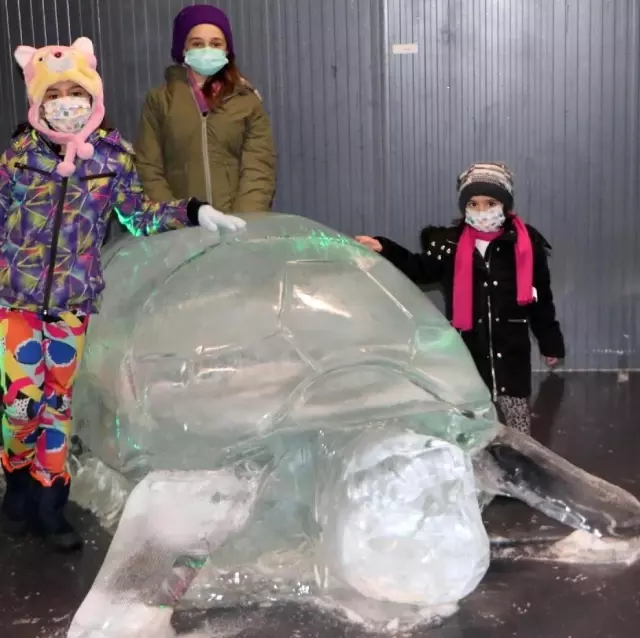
x=54, y=248
x=205, y=150
x=490, y=318
x=205, y=160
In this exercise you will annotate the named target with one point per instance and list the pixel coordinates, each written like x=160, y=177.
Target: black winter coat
x=499, y=342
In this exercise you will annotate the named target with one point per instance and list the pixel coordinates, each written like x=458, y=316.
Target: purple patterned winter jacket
x=53, y=227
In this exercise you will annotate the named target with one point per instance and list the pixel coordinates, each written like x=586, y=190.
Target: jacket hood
x=176, y=73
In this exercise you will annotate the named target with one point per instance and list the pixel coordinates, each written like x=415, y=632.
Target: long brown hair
x=227, y=79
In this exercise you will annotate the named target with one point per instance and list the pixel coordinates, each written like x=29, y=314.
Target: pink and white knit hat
x=49, y=65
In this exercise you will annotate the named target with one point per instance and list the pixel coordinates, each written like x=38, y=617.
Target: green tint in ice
x=202, y=346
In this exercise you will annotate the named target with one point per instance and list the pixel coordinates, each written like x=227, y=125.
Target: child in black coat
x=495, y=276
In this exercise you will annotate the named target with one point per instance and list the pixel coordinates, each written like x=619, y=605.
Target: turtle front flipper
x=171, y=524
x=516, y=465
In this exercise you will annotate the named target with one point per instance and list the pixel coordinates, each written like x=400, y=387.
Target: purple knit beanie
x=191, y=17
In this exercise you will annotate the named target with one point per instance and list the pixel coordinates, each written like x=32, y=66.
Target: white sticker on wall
x=405, y=49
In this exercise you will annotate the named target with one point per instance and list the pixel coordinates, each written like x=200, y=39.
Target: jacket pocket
x=233, y=179
x=224, y=185
x=26, y=167
x=514, y=335
x=95, y=287
x=26, y=280
x=94, y=280
x=86, y=178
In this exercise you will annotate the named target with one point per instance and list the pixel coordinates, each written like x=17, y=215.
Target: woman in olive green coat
x=205, y=133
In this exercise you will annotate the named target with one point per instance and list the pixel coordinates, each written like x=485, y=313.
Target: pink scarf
x=463, y=272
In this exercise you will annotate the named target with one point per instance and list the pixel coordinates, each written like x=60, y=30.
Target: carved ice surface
x=202, y=347
x=296, y=355
x=401, y=521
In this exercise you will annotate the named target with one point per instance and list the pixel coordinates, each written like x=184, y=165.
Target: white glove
x=212, y=219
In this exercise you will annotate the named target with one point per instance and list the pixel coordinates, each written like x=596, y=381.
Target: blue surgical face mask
x=206, y=61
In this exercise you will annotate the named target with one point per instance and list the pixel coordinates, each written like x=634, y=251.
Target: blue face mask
x=207, y=61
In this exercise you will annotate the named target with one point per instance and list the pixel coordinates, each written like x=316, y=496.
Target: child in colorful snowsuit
x=495, y=276
x=60, y=180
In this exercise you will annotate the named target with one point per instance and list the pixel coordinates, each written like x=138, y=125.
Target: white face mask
x=68, y=114
x=488, y=222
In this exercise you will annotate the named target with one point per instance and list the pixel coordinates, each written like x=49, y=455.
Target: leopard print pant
x=515, y=413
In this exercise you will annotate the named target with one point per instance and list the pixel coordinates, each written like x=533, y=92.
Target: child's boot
x=13, y=512
x=47, y=511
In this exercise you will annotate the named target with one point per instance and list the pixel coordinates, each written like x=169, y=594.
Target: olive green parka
x=225, y=157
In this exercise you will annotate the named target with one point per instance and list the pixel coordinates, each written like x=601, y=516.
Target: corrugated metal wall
x=552, y=88
x=370, y=140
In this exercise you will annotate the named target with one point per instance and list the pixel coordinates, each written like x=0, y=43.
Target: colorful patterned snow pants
x=39, y=362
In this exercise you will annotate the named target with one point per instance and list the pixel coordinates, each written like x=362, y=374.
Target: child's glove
x=212, y=219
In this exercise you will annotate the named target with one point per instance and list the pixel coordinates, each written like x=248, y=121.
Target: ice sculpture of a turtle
x=301, y=418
